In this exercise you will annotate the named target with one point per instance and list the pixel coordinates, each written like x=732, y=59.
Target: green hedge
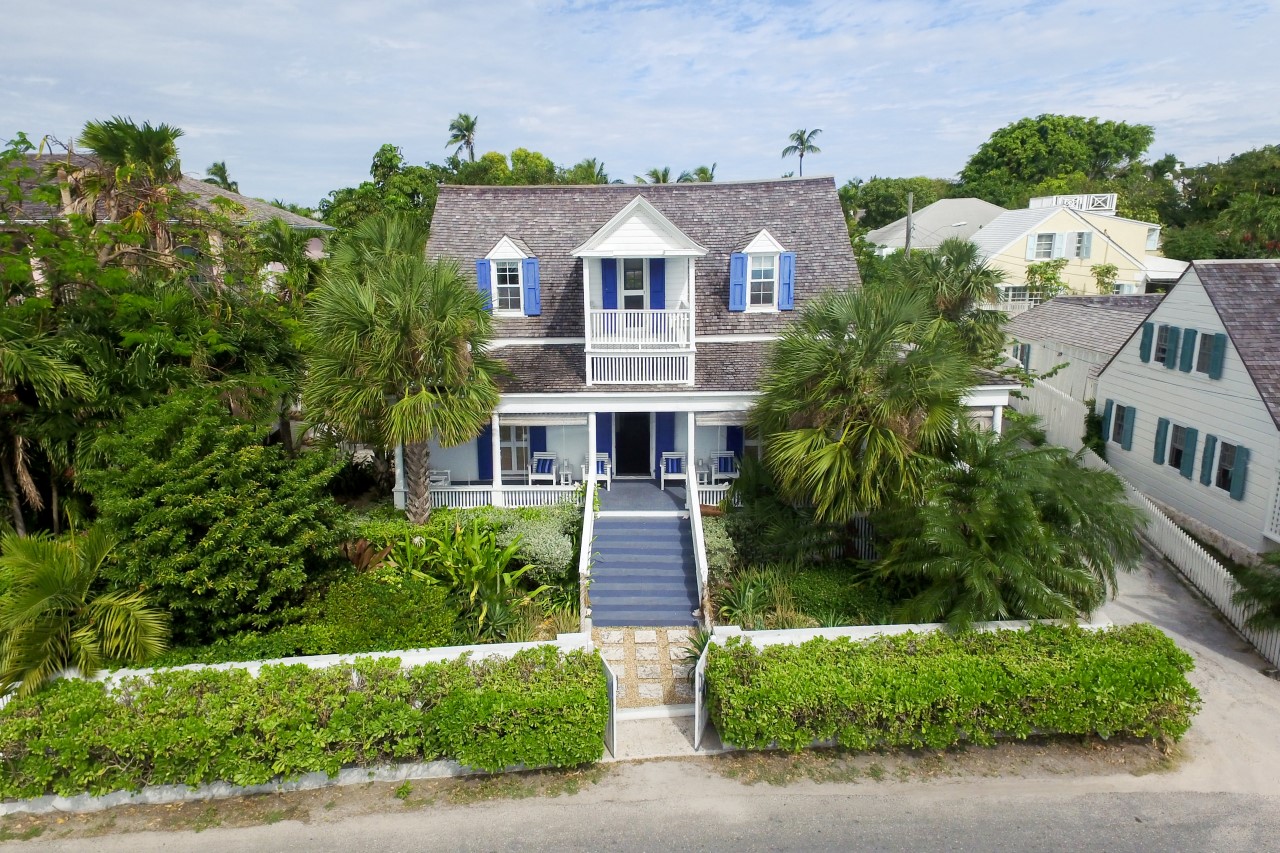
x=538, y=708
x=940, y=689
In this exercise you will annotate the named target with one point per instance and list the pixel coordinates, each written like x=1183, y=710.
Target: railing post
x=691, y=469
x=496, y=448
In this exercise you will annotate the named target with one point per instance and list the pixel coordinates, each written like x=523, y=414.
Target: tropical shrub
x=939, y=689
x=480, y=580
x=179, y=727
x=839, y=594
x=221, y=531
x=722, y=555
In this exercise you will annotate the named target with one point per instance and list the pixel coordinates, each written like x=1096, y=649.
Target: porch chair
x=603, y=469
x=724, y=466
x=672, y=468
x=543, y=468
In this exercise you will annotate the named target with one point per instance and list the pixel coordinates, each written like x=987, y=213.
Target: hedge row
x=936, y=690
x=538, y=708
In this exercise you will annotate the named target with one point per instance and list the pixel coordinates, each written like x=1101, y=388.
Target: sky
x=296, y=96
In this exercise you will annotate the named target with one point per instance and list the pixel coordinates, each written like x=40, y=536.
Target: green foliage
x=884, y=200
x=801, y=143
x=722, y=555
x=219, y=530
x=540, y=708
x=937, y=690
x=1259, y=592
x=1093, y=437
x=839, y=594
x=1104, y=277
x=1044, y=278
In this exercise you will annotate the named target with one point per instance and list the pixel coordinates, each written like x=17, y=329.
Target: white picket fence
x=1061, y=416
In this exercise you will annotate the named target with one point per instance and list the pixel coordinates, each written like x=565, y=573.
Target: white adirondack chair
x=674, y=466
x=543, y=468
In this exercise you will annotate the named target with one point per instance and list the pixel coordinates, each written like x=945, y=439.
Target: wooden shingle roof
x=1246, y=295
x=1100, y=324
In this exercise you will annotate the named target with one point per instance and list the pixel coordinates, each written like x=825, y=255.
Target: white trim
x=635, y=401
x=493, y=287
x=534, y=342
x=506, y=250
x=639, y=206
x=763, y=244
x=770, y=307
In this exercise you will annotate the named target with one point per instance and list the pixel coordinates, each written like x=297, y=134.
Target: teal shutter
x=1188, y=350
x=1206, y=461
x=658, y=283
x=532, y=288
x=787, y=281
x=1144, y=349
x=1218, y=356
x=1126, y=440
x=609, y=284
x=1188, y=466
x=737, y=282
x=1162, y=434
x=1239, y=473
x=484, y=282
x=1106, y=422
x=1031, y=246
x=1171, y=348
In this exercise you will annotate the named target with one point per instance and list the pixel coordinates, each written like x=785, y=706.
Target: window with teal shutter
x=1187, y=465
x=1218, y=356
x=1206, y=461
x=1144, y=348
x=1188, y=350
x=1171, y=347
x=1106, y=420
x=1232, y=470
x=1162, y=432
x=1126, y=437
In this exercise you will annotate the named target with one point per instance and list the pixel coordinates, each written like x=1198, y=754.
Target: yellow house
x=1084, y=231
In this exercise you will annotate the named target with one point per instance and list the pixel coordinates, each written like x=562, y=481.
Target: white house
x=1191, y=404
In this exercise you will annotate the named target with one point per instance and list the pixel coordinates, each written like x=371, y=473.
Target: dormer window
x=510, y=280
x=763, y=295
x=507, y=287
x=762, y=276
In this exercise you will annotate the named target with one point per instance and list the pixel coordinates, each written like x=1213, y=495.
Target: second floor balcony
x=639, y=329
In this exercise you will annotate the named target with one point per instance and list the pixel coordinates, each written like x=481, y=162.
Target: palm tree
x=462, y=133
x=1014, y=532
x=802, y=144
x=51, y=621
x=655, y=176
x=219, y=176
x=399, y=350
x=700, y=175
x=957, y=282
x=855, y=395
x=587, y=171
x=140, y=162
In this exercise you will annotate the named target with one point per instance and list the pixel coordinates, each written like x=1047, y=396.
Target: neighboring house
x=1086, y=232
x=930, y=225
x=1080, y=332
x=1191, y=404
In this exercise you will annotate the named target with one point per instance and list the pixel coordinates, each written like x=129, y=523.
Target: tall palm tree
x=399, y=350
x=700, y=175
x=655, y=176
x=137, y=167
x=802, y=144
x=51, y=620
x=587, y=171
x=857, y=393
x=957, y=282
x=219, y=176
x=462, y=133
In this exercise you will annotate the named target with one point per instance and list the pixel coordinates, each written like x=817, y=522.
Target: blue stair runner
x=643, y=572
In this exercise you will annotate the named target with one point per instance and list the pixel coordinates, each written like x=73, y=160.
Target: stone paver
x=650, y=664
x=613, y=653
x=650, y=691
x=646, y=652
x=643, y=636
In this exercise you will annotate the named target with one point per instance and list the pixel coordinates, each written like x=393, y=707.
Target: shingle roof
x=255, y=211
x=804, y=215
x=1246, y=295
x=1009, y=226
x=1098, y=323
x=560, y=368
x=930, y=225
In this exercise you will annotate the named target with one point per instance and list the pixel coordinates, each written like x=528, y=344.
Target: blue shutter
x=532, y=288
x=1126, y=438
x=787, y=281
x=537, y=439
x=734, y=439
x=1171, y=348
x=1206, y=461
x=604, y=433
x=1217, y=356
x=664, y=436
x=1188, y=350
x=484, y=451
x=609, y=285
x=1144, y=349
x=484, y=282
x=1188, y=466
x=1239, y=472
x=1162, y=433
x=737, y=282
x=1106, y=422
x=658, y=283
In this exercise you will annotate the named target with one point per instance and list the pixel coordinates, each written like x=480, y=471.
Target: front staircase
x=643, y=572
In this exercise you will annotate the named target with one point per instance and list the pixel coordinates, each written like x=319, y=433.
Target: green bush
x=722, y=556
x=539, y=708
x=839, y=588
x=939, y=689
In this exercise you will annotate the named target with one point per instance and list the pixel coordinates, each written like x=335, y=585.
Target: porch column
x=692, y=499
x=496, y=449
x=586, y=320
x=591, y=447
x=997, y=418
x=398, y=492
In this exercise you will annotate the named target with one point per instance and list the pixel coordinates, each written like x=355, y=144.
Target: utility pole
x=911, y=197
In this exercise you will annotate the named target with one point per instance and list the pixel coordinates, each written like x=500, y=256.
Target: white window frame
x=1159, y=348
x=518, y=311
x=1079, y=244
x=1039, y=256
x=1119, y=417
x=1153, y=239
x=515, y=439
x=775, y=259
x=622, y=283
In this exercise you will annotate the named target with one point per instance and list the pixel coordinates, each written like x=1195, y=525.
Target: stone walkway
x=649, y=663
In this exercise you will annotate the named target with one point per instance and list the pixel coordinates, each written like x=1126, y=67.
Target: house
x=1084, y=231
x=930, y=225
x=1077, y=335
x=1191, y=404
x=635, y=322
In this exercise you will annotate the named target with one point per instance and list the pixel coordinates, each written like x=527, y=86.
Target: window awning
x=542, y=419
x=720, y=418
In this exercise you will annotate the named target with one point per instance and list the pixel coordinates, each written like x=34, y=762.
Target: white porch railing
x=639, y=369
x=713, y=495
x=585, y=554
x=462, y=497
x=470, y=497
x=632, y=329
x=699, y=542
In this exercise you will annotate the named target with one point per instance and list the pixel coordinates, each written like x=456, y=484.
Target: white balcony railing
x=639, y=329
x=639, y=369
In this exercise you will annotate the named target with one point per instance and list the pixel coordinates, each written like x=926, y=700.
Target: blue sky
x=296, y=96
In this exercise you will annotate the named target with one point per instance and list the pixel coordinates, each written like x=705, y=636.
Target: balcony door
x=632, y=444
x=635, y=285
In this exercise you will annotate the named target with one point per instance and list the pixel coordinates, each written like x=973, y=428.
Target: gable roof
x=1246, y=295
x=930, y=225
x=1098, y=323
x=639, y=208
x=996, y=236
x=804, y=215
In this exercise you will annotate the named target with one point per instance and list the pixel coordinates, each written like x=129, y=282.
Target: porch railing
x=639, y=369
x=469, y=497
x=631, y=329
x=586, y=551
x=713, y=495
x=699, y=552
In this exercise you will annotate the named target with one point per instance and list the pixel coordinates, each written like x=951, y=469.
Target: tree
x=218, y=175
x=399, y=350
x=802, y=144
x=51, y=620
x=655, y=176
x=587, y=171
x=396, y=186
x=877, y=202
x=462, y=133
x=855, y=395
x=701, y=175
x=1009, y=531
x=531, y=168
x=957, y=282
